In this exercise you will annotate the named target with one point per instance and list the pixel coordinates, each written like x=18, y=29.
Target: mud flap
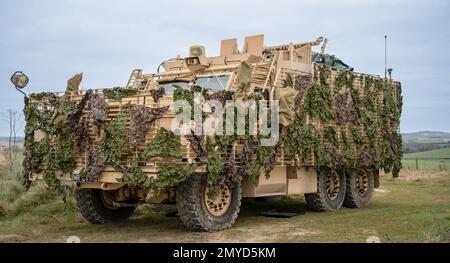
x=376, y=179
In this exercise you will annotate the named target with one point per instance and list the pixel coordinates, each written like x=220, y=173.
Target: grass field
x=412, y=208
x=437, y=153
x=425, y=160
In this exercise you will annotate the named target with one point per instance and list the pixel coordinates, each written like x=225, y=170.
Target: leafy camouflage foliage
x=49, y=120
x=170, y=175
x=164, y=144
x=367, y=119
x=141, y=120
x=309, y=141
x=116, y=143
x=117, y=93
x=157, y=94
x=133, y=176
x=368, y=132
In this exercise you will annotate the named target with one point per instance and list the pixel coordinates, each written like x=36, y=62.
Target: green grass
x=437, y=153
x=437, y=164
x=404, y=211
x=414, y=210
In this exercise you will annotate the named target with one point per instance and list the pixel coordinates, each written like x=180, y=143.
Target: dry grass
x=10, y=184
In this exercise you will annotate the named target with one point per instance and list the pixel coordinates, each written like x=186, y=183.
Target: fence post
x=417, y=163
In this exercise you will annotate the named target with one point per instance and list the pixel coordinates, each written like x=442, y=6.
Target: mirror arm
x=25, y=98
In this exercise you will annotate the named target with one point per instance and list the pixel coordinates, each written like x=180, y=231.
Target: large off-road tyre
x=92, y=206
x=330, y=191
x=360, y=186
x=200, y=211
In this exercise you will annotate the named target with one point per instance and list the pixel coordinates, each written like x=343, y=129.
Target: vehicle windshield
x=212, y=82
x=169, y=87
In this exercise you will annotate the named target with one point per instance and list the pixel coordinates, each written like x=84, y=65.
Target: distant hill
x=425, y=141
x=427, y=136
x=4, y=140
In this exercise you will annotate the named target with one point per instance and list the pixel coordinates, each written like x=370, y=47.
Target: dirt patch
x=381, y=190
x=11, y=238
x=268, y=232
x=256, y=233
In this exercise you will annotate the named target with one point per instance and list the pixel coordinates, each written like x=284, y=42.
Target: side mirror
x=19, y=79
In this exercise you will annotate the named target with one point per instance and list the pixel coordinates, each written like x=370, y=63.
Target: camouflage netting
x=170, y=175
x=348, y=121
x=164, y=144
x=217, y=151
x=117, y=93
x=69, y=128
x=221, y=96
x=121, y=141
x=141, y=120
x=51, y=146
x=198, y=146
x=157, y=94
x=333, y=119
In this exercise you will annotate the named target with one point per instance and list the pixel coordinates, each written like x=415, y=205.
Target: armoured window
x=212, y=82
x=169, y=87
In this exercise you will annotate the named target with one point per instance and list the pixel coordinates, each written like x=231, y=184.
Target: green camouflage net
x=117, y=93
x=348, y=151
x=164, y=144
x=263, y=153
x=216, y=158
x=318, y=101
x=133, y=176
x=368, y=124
x=299, y=129
x=214, y=150
x=64, y=153
x=116, y=143
x=49, y=120
x=170, y=175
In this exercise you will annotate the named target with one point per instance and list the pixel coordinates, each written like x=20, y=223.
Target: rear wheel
x=97, y=207
x=330, y=191
x=201, y=210
x=359, y=191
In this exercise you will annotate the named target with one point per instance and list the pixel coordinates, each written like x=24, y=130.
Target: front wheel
x=330, y=191
x=201, y=210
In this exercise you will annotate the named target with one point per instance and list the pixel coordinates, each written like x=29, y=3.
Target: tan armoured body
x=110, y=198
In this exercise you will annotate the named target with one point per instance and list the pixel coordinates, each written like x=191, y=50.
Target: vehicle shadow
x=164, y=218
x=253, y=207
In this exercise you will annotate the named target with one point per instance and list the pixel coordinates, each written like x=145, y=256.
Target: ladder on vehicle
x=134, y=79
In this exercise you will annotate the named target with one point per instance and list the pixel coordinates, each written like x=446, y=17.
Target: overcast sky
x=52, y=40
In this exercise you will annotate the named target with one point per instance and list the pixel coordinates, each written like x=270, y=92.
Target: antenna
x=385, y=56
